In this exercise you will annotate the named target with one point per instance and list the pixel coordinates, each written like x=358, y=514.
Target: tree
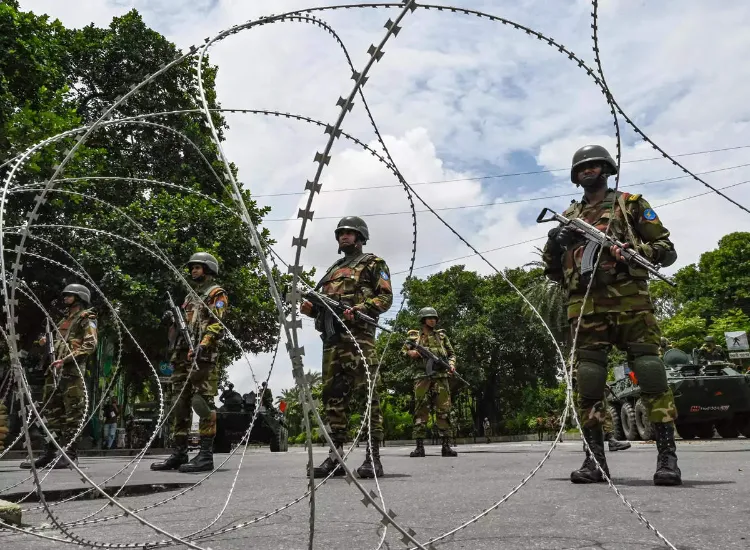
x=55, y=79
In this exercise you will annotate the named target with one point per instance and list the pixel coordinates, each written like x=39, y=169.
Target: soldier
x=664, y=346
x=67, y=402
x=487, y=429
x=203, y=310
x=709, y=351
x=266, y=396
x=618, y=310
x=362, y=281
x=432, y=389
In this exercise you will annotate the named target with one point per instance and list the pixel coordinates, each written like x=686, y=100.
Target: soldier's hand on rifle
x=563, y=235
x=42, y=340
x=616, y=251
x=194, y=352
x=414, y=354
x=306, y=308
x=57, y=364
x=351, y=312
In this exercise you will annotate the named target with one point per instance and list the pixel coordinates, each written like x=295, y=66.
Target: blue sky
x=457, y=97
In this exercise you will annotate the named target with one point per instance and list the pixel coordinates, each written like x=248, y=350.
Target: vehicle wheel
x=686, y=431
x=280, y=441
x=616, y=422
x=629, y=427
x=727, y=428
x=705, y=430
x=642, y=422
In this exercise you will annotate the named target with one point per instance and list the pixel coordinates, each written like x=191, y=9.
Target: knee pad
x=202, y=406
x=652, y=378
x=592, y=374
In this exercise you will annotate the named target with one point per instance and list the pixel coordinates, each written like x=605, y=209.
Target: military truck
x=234, y=417
x=710, y=397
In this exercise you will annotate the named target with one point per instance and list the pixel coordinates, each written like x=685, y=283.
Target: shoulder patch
x=92, y=323
x=412, y=334
x=384, y=275
x=220, y=304
x=633, y=198
x=649, y=214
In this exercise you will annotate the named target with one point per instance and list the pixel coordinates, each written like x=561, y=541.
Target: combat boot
x=667, y=472
x=419, y=451
x=204, y=460
x=371, y=467
x=72, y=453
x=615, y=444
x=330, y=464
x=446, y=450
x=178, y=457
x=49, y=454
x=588, y=472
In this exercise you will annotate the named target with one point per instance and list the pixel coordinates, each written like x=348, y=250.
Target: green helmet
x=663, y=342
x=83, y=293
x=354, y=223
x=709, y=339
x=591, y=153
x=427, y=312
x=676, y=357
x=206, y=260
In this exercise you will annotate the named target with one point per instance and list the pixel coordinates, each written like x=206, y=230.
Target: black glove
x=562, y=235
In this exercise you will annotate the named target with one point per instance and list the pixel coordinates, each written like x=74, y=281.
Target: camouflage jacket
x=359, y=280
x=618, y=286
x=438, y=343
x=208, y=299
x=714, y=354
x=77, y=336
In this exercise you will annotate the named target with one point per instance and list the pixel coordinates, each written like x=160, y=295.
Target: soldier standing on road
x=202, y=310
x=487, y=429
x=67, y=401
x=709, y=351
x=618, y=310
x=266, y=397
x=362, y=281
x=434, y=388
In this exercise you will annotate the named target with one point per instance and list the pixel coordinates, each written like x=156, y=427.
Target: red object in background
x=633, y=379
x=282, y=406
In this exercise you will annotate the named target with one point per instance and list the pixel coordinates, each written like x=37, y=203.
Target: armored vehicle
x=710, y=397
x=234, y=417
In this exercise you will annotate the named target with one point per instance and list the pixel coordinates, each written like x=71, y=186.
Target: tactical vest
x=198, y=304
x=344, y=281
x=68, y=328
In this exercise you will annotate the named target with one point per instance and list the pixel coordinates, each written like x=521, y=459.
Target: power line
x=488, y=204
x=494, y=176
x=545, y=237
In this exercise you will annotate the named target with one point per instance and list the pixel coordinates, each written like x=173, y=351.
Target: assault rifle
x=179, y=320
x=328, y=323
x=49, y=349
x=433, y=360
x=596, y=239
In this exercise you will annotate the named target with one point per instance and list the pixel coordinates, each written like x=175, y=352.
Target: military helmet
x=663, y=342
x=206, y=260
x=427, y=312
x=591, y=153
x=83, y=293
x=676, y=357
x=709, y=339
x=355, y=223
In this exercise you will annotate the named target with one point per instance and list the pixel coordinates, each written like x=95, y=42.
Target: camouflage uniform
x=432, y=389
x=618, y=310
x=203, y=381
x=710, y=353
x=361, y=279
x=67, y=402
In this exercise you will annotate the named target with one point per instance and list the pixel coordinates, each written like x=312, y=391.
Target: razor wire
x=291, y=326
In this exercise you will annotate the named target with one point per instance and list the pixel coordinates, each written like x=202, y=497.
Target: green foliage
x=53, y=79
x=733, y=320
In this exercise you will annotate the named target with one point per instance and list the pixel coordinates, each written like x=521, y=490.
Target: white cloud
x=459, y=96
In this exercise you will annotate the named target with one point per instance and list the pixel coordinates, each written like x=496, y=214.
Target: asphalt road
x=711, y=510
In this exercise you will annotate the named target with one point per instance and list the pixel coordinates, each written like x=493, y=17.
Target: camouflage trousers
x=601, y=331
x=66, y=404
x=344, y=379
x=202, y=381
x=431, y=391
x=3, y=425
